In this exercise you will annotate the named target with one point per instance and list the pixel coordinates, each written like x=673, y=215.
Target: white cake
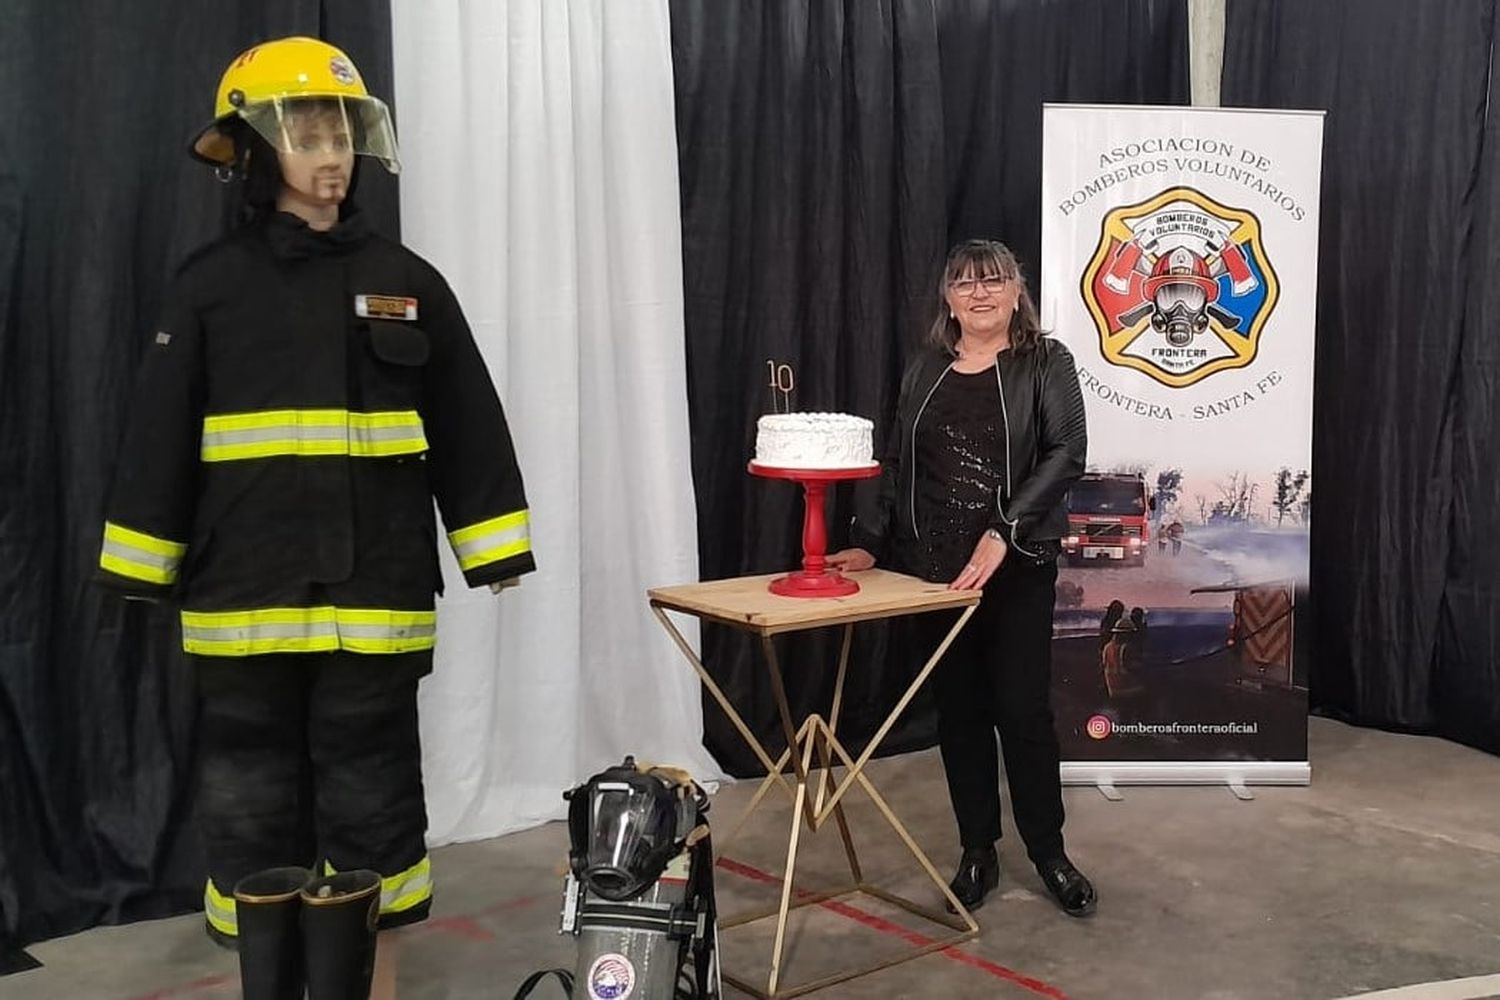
x=814, y=441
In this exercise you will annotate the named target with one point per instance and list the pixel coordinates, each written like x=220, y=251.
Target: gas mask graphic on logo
x=1180, y=290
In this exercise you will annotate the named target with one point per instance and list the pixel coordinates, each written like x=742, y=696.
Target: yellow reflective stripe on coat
x=492, y=540
x=220, y=911
x=404, y=890
x=229, y=437
x=307, y=630
x=140, y=556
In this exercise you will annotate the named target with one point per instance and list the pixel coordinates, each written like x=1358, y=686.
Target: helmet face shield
x=324, y=126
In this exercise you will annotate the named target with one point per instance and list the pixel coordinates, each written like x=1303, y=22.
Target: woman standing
x=989, y=436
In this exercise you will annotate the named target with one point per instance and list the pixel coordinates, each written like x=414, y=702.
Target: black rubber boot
x=267, y=907
x=338, y=933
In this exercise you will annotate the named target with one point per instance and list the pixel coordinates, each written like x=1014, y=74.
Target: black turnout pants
x=310, y=759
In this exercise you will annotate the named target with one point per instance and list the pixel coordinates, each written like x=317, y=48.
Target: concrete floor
x=1385, y=872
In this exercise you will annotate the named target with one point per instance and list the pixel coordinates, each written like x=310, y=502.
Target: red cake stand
x=815, y=578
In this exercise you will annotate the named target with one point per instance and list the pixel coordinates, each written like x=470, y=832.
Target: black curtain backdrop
x=98, y=204
x=829, y=153
x=1466, y=671
x=1405, y=573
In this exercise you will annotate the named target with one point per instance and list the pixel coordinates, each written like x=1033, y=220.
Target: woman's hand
x=851, y=560
x=987, y=557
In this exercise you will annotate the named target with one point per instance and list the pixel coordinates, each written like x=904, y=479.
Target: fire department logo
x=342, y=70
x=1180, y=287
x=611, y=977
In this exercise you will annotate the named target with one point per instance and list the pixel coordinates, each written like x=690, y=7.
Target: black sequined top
x=960, y=466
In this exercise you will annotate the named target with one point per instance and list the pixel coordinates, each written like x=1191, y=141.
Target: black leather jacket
x=1046, y=439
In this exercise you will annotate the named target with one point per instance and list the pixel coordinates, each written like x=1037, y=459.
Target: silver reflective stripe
x=281, y=432
x=419, y=883
x=145, y=557
x=370, y=435
x=304, y=432
x=385, y=631
x=493, y=540
x=260, y=631
x=220, y=911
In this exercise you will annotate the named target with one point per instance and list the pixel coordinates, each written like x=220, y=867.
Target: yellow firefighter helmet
x=268, y=84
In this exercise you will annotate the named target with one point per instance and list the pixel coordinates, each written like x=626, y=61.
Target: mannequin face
x=317, y=160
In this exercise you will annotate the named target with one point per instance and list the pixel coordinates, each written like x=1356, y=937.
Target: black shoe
x=1072, y=890
x=978, y=873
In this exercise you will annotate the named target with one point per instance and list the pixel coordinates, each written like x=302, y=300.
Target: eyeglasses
x=993, y=284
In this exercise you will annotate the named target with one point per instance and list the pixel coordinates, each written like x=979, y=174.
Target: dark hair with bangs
x=984, y=258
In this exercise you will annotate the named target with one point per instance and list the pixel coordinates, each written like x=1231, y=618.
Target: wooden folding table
x=816, y=794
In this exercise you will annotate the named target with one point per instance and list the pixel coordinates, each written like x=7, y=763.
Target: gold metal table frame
x=816, y=795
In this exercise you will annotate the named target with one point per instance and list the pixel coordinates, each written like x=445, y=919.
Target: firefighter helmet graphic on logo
x=1179, y=287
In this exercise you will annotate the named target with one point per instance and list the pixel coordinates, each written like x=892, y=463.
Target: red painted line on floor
x=513, y=904
x=460, y=926
x=911, y=937
x=467, y=925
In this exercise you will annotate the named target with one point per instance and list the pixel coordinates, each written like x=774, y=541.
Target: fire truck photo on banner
x=1179, y=264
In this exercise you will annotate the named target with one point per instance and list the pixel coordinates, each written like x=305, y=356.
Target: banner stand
x=1108, y=775
x=1179, y=267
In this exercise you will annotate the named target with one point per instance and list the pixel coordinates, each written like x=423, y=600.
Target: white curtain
x=540, y=177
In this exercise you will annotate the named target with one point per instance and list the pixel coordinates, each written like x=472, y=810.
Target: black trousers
x=307, y=759
x=998, y=675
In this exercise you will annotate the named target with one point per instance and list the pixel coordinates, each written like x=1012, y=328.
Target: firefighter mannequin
x=311, y=389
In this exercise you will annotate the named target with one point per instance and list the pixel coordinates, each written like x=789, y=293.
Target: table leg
x=856, y=773
x=911, y=692
x=833, y=712
x=771, y=780
x=778, y=689
x=804, y=762
x=713, y=689
x=827, y=759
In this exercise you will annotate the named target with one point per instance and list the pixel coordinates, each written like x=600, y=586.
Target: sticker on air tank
x=611, y=977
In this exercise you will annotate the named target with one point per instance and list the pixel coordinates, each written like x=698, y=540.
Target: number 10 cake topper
x=782, y=381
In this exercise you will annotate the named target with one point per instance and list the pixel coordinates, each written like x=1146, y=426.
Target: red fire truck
x=1108, y=519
